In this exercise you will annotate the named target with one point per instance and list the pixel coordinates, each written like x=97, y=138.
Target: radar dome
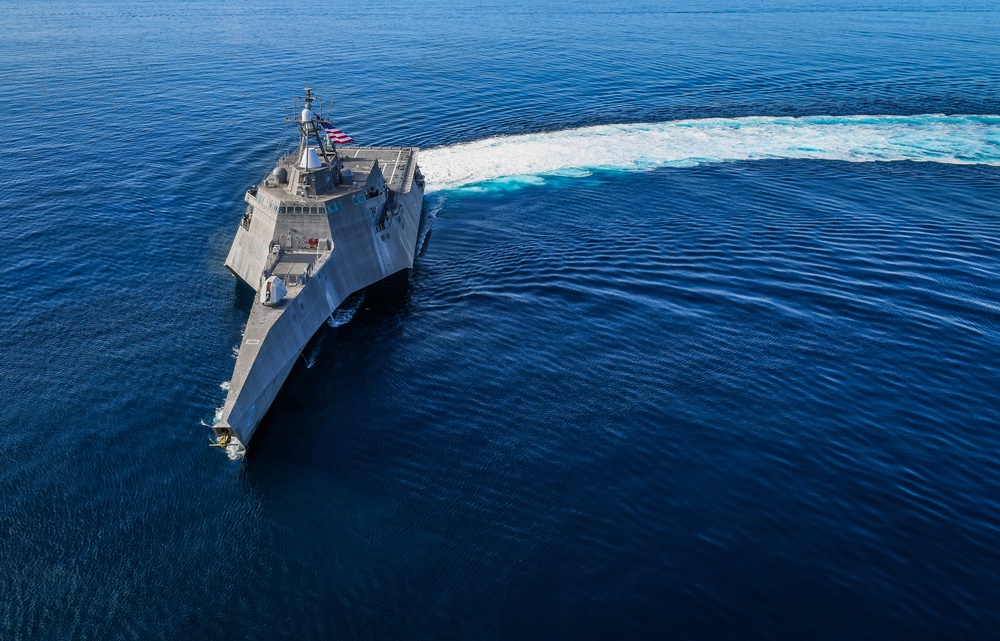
x=310, y=160
x=280, y=174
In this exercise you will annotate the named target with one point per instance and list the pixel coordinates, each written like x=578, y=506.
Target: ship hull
x=364, y=249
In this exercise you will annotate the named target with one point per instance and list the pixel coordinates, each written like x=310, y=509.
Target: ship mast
x=308, y=128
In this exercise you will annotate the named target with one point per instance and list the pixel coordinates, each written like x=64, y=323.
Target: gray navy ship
x=325, y=223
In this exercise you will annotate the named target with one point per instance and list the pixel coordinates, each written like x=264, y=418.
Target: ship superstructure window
x=359, y=199
x=332, y=208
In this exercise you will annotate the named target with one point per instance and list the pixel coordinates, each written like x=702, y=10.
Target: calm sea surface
x=703, y=341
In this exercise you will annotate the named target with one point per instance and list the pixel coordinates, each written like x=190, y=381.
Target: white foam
x=516, y=160
x=216, y=417
x=431, y=209
x=346, y=311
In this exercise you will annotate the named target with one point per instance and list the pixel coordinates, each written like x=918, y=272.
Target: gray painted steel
x=327, y=234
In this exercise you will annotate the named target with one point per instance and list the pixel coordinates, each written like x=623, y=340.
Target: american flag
x=335, y=135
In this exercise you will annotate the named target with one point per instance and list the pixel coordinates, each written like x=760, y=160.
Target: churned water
x=703, y=340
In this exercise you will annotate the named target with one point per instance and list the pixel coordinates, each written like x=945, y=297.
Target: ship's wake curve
x=504, y=162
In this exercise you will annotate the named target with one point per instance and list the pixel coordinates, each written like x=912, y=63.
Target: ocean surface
x=702, y=342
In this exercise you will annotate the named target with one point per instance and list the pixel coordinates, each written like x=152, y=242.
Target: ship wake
x=431, y=208
x=504, y=162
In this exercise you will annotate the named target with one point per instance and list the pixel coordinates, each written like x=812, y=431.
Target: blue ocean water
x=703, y=340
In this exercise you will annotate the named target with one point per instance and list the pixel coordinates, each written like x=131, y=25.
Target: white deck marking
x=394, y=167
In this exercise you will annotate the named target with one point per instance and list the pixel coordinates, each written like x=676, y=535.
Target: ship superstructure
x=326, y=222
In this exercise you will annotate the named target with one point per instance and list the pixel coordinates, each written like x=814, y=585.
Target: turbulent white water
x=346, y=311
x=524, y=158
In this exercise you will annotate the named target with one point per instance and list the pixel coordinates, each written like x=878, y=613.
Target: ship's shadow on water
x=243, y=297
x=339, y=373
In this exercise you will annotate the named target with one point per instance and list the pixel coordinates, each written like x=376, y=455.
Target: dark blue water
x=733, y=377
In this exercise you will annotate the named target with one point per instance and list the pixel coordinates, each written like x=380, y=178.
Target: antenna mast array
x=308, y=124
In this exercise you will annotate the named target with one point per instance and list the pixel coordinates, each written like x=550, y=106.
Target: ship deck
x=398, y=164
